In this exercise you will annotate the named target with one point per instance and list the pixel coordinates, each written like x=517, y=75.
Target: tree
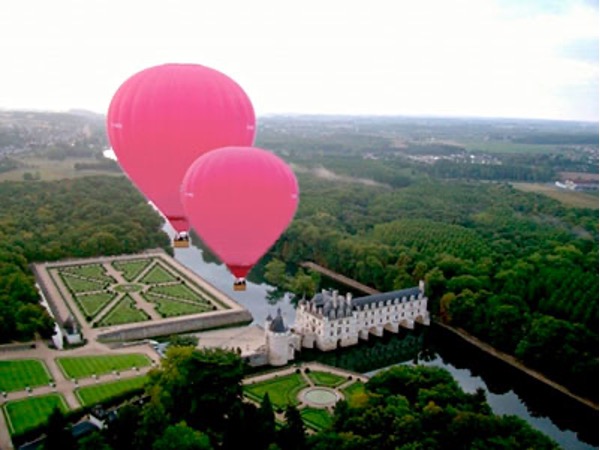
x=198, y=386
x=182, y=437
x=291, y=435
x=58, y=432
x=266, y=418
x=122, y=430
x=275, y=273
x=94, y=441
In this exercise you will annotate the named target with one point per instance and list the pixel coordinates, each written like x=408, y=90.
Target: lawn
x=158, y=275
x=30, y=412
x=178, y=291
x=92, y=304
x=172, y=308
x=131, y=269
x=282, y=390
x=95, y=271
x=326, y=379
x=90, y=395
x=86, y=366
x=79, y=284
x=315, y=418
x=124, y=312
x=17, y=374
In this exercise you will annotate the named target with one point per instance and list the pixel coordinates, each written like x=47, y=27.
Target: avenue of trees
x=195, y=403
x=48, y=221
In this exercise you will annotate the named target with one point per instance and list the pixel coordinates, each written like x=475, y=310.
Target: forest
x=48, y=221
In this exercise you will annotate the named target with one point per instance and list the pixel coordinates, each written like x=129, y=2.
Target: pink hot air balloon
x=164, y=117
x=239, y=200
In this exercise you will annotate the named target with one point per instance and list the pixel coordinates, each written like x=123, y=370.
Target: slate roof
x=277, y=325
x=384, y=296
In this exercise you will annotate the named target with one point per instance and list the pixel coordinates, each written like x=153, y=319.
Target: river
x=573, y=426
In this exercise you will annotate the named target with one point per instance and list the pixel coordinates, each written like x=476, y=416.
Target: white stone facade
x=329, y=320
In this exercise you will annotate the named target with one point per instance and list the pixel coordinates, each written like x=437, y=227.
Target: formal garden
x=313, y=392
x=130, y=290
x=27, y=374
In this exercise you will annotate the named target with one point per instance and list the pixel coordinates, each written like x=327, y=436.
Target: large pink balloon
x=164, y=117
x=239, y=200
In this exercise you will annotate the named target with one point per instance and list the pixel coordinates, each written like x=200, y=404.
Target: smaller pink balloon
x=239, y=200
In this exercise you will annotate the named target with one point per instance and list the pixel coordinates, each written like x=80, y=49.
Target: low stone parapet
x=182, y=325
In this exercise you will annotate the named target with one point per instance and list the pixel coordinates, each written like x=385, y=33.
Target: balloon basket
x=239, y=287
x=181, y=243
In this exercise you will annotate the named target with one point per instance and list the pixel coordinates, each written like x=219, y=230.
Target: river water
x=573, y=426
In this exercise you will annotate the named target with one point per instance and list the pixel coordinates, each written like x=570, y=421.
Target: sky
x=475, y=58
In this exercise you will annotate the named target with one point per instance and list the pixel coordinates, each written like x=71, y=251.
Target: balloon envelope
x=240, y=200
x=162, y=118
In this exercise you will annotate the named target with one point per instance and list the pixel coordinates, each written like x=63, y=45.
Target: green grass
x=80, y=285
x=131, y=269
x=92, y=304
x=326, y=379
x=51, y=170
x=315, y=418
x=157, y=274
x=282, y=391
x=31, y=412
x=90, y=395
x=86, y=366
x=95, y=271
x=355, y=393
x=178, y=291
x=172, y=308
x=124, y=311
x=16, y=375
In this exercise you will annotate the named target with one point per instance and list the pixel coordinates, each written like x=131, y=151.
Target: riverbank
x=505, y=357
x=512, y=361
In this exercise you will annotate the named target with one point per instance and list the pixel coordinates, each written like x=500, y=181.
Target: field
x=16, y=375
x=50, y=169
x=27, y=413
x=90, y=395
x=569, y=198
x=86, y=366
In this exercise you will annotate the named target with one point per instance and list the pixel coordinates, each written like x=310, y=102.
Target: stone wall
x=182, y=325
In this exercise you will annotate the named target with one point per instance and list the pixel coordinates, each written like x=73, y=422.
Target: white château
x=330, y=320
